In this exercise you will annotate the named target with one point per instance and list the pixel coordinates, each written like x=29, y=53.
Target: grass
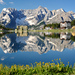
x=39, y=69
x=1, y=30
x=53, y=30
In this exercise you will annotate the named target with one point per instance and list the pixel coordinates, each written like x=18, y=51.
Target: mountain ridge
x=11, y=17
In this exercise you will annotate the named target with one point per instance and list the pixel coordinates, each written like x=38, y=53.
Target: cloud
x=11, y=2
x=2, y=2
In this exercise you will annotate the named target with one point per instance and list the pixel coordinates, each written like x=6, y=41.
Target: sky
x=67, y=5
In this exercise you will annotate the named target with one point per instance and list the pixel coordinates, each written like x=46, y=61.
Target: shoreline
x=53, y=30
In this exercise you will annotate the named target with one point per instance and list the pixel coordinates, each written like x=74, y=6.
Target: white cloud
x=2, y=2
x=11, y=2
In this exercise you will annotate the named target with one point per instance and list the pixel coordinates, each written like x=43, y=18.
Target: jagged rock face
x=11, y=17
x=72, y=14
x=34, y=16
x=60, y=17
x=59, y=11
x=11, y=44
x=8, y=17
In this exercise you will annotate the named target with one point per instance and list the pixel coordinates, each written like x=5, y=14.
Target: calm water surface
x=22, y=49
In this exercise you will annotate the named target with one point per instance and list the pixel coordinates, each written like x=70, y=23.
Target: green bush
x=3, y=27
x=73, y=23
x=53, y=25
x=73, y=38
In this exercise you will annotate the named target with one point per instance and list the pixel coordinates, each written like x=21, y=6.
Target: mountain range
x=11, y=17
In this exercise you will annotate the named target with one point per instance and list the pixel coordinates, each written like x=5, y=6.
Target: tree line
x=4, y=28
x=53, y=25
x=73, y=23
x=57, y=25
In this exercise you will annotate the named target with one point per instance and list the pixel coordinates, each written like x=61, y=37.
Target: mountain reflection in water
x=37, y=42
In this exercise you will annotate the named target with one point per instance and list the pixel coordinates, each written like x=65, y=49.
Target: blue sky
x=67, y=5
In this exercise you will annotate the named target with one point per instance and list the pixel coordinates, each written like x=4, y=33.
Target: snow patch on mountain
x=5, y=18
x=21, y=21
x=6, y=10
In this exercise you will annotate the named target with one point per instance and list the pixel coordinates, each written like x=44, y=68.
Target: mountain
x=11, y=17
x=11, y=43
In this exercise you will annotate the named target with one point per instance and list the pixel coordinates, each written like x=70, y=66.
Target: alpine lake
x=31, y=47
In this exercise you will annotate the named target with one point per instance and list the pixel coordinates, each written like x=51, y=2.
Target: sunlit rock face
x=10, y=44
x=11, y=17
x=8, y=17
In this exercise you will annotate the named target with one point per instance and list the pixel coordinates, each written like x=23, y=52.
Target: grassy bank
x=53, y=30
x=39, y=69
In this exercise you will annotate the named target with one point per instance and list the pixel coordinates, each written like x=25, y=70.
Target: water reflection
x=37, y=42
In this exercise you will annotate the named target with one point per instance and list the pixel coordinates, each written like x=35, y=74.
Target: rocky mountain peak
x=9, y=10
x=61, y=9
x=40, y=7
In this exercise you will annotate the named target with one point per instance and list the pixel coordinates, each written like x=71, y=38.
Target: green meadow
x=53, y=30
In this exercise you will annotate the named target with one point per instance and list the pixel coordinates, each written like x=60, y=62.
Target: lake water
x=27, y=48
